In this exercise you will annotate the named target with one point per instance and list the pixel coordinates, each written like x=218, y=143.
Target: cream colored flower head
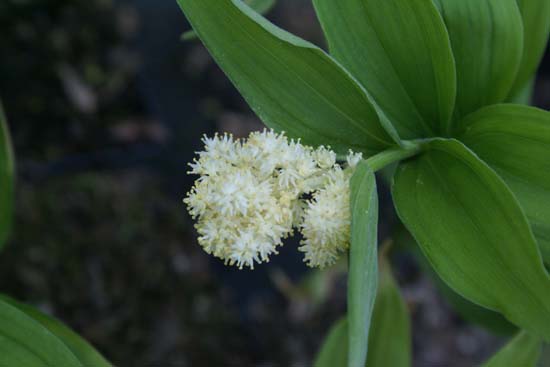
x=250, y=196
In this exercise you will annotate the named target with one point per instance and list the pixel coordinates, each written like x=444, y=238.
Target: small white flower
x=250, y=196
x=354, y=158
x=327, y=219
x=326, y=158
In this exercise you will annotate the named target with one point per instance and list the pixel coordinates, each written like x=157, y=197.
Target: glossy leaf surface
x=468, y=311
x=80, y=348
x=487, y=42
x=291, y=84
x=515, y=141
x=400, y=51
x=473, y=231
x=25, y=342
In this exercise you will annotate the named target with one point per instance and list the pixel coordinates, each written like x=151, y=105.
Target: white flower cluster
x=251, y=194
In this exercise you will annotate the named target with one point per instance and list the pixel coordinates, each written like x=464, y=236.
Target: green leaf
x=389, y=342
x=522, y=351
x=291, y=84
x=363, y=262
x=334, y=351
x=487, y=41
x=7, y=179
x=536, y=24
x=472, y=313
x=400, y=51
x=468, y=311
x=515, y=141
x=390, y=333
x=260, y=6
x=474, y=233
x=80, y=348
x=25, y=342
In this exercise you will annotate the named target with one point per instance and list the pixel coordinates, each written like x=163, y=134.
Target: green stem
x=387, y=157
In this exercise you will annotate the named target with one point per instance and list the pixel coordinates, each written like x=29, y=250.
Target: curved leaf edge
x=287, y=37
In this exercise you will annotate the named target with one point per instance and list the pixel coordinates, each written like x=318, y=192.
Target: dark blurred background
x=107, y=106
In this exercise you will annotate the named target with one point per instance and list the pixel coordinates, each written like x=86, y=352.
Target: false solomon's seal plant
x=436, y=87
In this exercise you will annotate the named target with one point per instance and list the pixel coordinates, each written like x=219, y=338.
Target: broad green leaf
x=260, y=6
x=80, y=348
x=472, y=313
x=291, y=84
x=363, y=262
x=515, y=141
x=400, y=51
x=487, y=41
x=536, y=26
x=334, y=351
x=390, y=333
x=7, y=178
x=522, y=351
x=474, y=233
x=468, y=311
x=25, y=342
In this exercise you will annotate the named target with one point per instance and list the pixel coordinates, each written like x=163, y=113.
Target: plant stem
x=387, y=157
